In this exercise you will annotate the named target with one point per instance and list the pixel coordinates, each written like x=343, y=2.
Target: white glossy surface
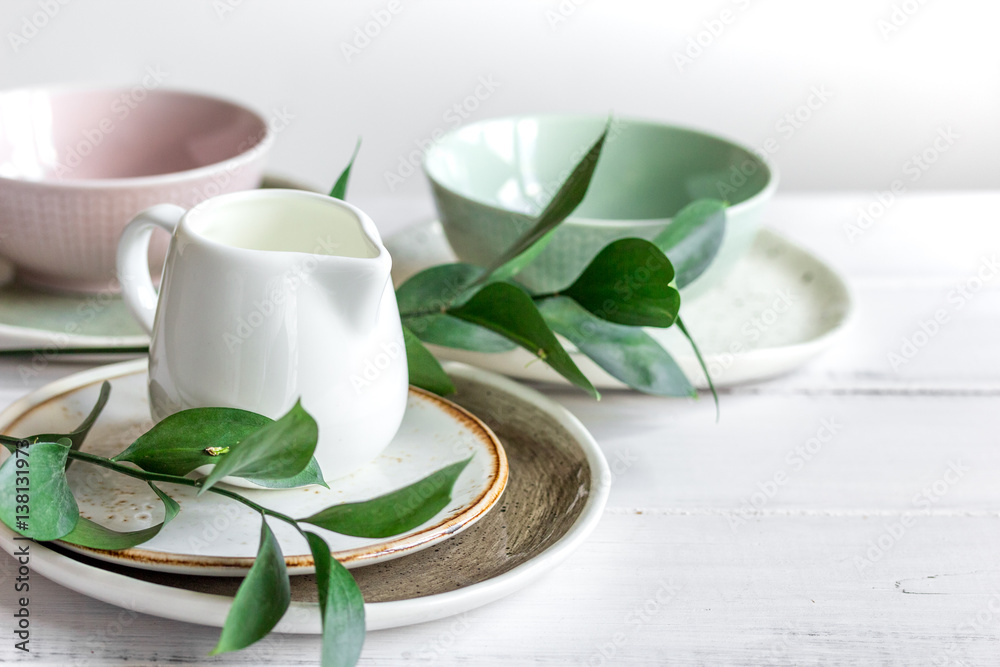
x=778, y=308
x=258, y=330
x=211, y=529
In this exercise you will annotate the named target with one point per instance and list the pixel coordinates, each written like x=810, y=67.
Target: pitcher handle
x=133, y=260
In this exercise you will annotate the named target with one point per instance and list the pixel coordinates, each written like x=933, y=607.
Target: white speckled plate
x=216, y=536
x=778, y=308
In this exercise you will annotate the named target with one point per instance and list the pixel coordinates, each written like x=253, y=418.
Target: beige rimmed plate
x=216, y=536
x=559, y=483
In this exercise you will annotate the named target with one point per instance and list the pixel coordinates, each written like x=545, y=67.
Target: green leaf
x=693, y=238
x=88, y=533
x=447, y=331
x=341, y=606
x=701, y=362
x=76, y=438
x=311, y=475
x=34, y=492
x=628, y=283
x=279, y=450
x=80, y=434
x=261, y=599
x=424, y=297
x=626, y=353
x=339, y=190
x=509, y=311
x=566, y=199
x=425, y=370
x=435, y=288
x=177, y=444
x=180, y=443
x=395, y=512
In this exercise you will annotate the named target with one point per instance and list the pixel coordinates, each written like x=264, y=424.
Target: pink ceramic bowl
x=76, y=164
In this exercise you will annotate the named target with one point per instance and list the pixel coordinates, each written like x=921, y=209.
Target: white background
x=891, y=90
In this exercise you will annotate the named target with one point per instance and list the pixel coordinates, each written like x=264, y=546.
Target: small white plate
x=551, y=450
x=778, y=308
x=216, y=536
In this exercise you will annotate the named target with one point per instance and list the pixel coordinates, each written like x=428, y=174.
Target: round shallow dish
x=559, y=484
x=779, y=307
x=213, y=535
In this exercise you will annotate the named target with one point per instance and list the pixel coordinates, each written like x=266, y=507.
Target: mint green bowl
x=489, y=178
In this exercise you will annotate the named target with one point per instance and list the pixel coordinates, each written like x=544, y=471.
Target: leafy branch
x=36, y=501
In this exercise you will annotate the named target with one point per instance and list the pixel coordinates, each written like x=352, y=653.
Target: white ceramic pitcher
x=268, y=296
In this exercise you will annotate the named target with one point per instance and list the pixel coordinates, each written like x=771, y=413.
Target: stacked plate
x=536, y=487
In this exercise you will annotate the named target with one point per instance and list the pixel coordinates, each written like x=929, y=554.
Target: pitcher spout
x=354, y=269
x=357, y=289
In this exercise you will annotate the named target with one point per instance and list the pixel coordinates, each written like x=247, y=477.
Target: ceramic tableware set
x=256, y=298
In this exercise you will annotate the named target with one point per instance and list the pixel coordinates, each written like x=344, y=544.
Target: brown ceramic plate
x=557, y=489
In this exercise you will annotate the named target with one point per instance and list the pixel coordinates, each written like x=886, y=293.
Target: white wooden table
x=880, y=547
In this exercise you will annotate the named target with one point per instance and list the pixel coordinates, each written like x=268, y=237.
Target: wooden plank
x=906, y=339
x=653, y=589
x=857, y=453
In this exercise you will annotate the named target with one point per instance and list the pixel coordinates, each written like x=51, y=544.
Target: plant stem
x=701, y=362
x=175, y=479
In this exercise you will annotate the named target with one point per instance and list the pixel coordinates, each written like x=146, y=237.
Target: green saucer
x=74, y=315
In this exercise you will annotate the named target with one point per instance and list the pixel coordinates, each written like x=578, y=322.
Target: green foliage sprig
x=36, y=501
